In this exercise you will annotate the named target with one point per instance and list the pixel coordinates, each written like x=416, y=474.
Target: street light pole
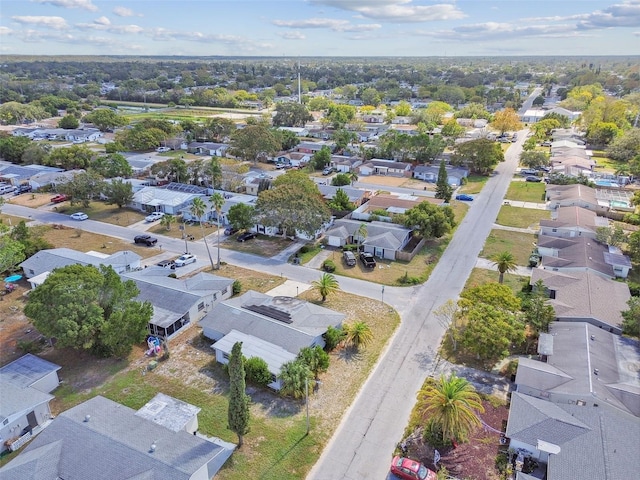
x=306, y=399
x=382, y=299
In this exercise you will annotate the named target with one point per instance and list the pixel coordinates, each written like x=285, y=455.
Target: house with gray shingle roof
x=383, y=239
x=578, y=413
x=572, y=222
x=272, y=328
x=356, y=196
x=25, y=387
x=429, y=173
x=574, y=195
x=585, y=297
x=103, y=440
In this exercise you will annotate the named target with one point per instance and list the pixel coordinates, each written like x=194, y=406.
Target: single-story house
x=17, y=174
x=178, y=302
x=383, y=239
x=294, y=159
x=572, y=222
x=299, y=131
x=208, y=148
x=585, y=296
x=356, y=196
x=392, y=204
x=170, y=199
x=373, y=117
x=53, y=178
x=582, y=254
x=564, y=144
x=378, y=166
x=344, y=164
x=38, y=266
x=72, y=135
x=313, y=147
x=536, y=114
x=577, y=413
x=429, y=173
x=211, y=215
x=272, y=328
x=574, y=195
x=25, y=387
x=102, y=439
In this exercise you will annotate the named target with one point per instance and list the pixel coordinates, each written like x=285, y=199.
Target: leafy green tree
x=505, y=120
x=603, y=133
x=241, y=216
x=473, y=110
x=452, y=129
x=36, y=154
x=31, y=238
x=198, y=209
x=83, y=188
x=73, y=157
x=631, y=322
x=104, y=318
x=332, y=338
x=343, y=138
x=220, y=129
x=294, y=376
x=626, y=146
x=481, y=155
x=340, y=180
x=293, y=204
x=357, y=334
x=254, y=142
x=257, y=371
x=290, y=114
x=238, y=413
x=443, y=189
x=403, y=109
x=315, y=358
x=611, y=235
x=505, y=262
x=427, y=148
x=340, y=202
x=451, y=405
x=105, y=119
x=11, y=254
x=430, y=221
x=538, y=313
x=111, y=166
x=321, y=158
x=287, y=139
x=495, y=294
x=340, y=114
x=326, y=285
x=370, y=96
x=118, y=192
x=12, y=148
x=68, y=122
x=532, y=159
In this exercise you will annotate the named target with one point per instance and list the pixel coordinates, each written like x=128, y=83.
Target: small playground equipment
x=156, y=346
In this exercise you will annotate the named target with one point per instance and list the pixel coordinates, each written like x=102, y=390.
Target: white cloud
x=125, y=12
x=396, y=11
x=328, y=23
x=235, y=43
x=295, y=35
x=501, y=31
x=5, y=30
x=109, y=27
x=626, y=14
x=83, y=4
x=102, y=21
x=57, y=23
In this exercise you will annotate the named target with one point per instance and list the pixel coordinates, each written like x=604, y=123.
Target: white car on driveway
x=154, y=216
x=79, y=216
x=185, y=259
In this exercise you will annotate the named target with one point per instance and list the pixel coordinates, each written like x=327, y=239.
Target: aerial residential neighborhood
x=225, y=266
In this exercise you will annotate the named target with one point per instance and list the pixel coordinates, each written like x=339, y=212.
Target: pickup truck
x=147, y=240
x=368, y=260
x=59, y=198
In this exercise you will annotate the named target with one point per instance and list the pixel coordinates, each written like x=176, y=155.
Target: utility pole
x=299, y=88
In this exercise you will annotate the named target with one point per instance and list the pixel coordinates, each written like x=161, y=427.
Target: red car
x=411, y=469
x=59, y=198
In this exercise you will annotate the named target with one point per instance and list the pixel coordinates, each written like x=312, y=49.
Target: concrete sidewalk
x=290, y=288
x=488, y=265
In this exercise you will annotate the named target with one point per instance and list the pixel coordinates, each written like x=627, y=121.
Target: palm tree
x=198, y=209
x=353, y=176
x=217, y=202
x=451, y=405
x=357, y=334
x=361, y=234
x=505, y=262
x=294, y=376
x=167, y=220
x=326, y=285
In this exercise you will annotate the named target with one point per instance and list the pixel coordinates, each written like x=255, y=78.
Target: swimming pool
x=618, y=203
x=607, y=183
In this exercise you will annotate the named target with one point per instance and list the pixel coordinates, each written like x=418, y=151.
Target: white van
x=6, y=188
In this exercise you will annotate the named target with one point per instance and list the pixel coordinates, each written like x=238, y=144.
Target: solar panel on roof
x=186, y=188
x=274, y=313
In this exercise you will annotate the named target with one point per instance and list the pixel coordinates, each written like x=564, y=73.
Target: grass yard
x=189, y=229
x=519, y=244
x=605, y=164
x=250, y=279
x=526, y=192
x=521, y=217
x=262, y=245
x=105, y=213
x=12, y=219
x=480, y=276
x=31, y=200
x=475, y=183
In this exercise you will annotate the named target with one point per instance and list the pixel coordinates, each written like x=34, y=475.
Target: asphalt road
x=370, y=429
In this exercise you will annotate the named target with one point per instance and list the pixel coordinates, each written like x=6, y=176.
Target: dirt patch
x=31, y=200
x=15, y=327
x=381, y=180
x=474, y=459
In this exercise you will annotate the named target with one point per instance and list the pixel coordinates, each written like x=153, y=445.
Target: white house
x=170, y=199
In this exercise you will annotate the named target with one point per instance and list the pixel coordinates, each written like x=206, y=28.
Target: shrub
x=634, y=289
x=329, y=266
x=237, y=287
x=29, y=346
x=433, y=436
x=632, y=218
x=172, y=275
x=332, y=338
x=304, y=249
x=257, y=371
x=407, y=280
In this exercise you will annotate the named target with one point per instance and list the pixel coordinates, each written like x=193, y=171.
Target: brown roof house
x=572, y=222
x=582, y=254
x=585, y=296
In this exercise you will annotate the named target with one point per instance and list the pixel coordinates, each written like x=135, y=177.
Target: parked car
x=328, y=171
x=79, y=216
x=6, y=188
x=247, y=236
x=60, y=198
x=464, y=197
x=24, y=188
x=154, y=216
x=529, y=171
x=531, y=178
x=230, y=231
x=145, y=239
x=162, y=149
x=280, y=166
x=349, y=258
x=368, y=260
x=545, y=144
x=185, y=259
x=410, y=469
x=167, y=264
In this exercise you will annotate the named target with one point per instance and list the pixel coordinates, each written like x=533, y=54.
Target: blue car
x=464, y=197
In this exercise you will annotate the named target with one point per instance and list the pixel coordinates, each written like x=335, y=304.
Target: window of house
x=31, y=272
x=225, y=356
x=224, y=292
x=554, y=230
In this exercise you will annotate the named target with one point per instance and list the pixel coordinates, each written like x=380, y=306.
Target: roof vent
x=595, y=371
x=153, y=447
x=593, y=337
x=87, y=418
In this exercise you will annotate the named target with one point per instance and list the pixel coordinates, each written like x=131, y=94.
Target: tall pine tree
x=443, y=189
x=238, y=415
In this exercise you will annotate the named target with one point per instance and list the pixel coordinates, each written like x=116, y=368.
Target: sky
x=325, y=28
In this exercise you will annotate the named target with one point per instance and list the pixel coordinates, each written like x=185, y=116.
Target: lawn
x=31, y=200
x=605, y=164
x=263, y=245
x=519, y=244
x=11, y=220
x=480, y=276
x=189, y=229
x=526, y=192
x=521, y=217
x=102, y=212
x=475, y=183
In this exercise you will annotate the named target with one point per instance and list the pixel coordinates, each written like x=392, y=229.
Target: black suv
x=147, y=240
x=368, y=260
x=247, y=236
